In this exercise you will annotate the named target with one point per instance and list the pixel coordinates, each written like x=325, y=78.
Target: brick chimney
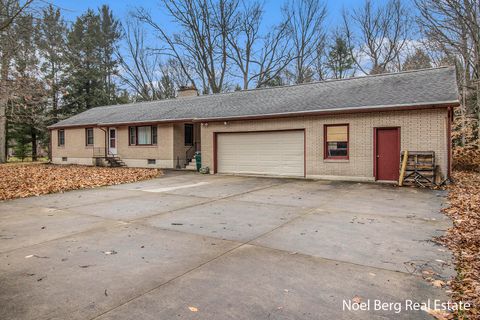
x=187, y=91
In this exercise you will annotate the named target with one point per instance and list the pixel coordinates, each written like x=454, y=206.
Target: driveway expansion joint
x=283, y=227
x=241, y=244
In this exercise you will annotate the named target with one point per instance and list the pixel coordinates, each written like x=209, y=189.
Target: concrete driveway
x=191, y=246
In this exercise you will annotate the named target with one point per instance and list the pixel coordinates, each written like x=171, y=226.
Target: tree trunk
x=54, y=94
x=478, y=114
x=3, y=131
x=3, y=106
x=466, y=81
x=463, y=108
x=34, y=145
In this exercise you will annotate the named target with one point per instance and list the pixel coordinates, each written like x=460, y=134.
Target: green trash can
x=198, y=160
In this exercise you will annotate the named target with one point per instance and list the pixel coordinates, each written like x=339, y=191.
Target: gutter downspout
x=106, y=142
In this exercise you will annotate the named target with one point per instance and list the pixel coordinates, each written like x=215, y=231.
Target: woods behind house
x=51, y=68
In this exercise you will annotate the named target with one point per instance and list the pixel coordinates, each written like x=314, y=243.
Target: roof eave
x=55, y=126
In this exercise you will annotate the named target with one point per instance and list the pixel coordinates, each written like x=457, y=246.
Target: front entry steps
x=114, y=161
x=192, y=165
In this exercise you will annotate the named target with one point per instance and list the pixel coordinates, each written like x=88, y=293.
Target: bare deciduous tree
x=142, y=69
x=453, y=27
x=275, y=56
x=138, y=65
x=202, y=43
x=306, y=18
x=259, y=58
x=243, y=38
x=378, y=33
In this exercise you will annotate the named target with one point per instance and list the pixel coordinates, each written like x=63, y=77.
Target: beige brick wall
x=421, y=130
x=76, y=151
x=75, y=146
x=162, y=151
x=179, y=141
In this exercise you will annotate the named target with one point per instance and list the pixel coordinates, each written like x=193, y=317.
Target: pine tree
x=274, y=81
x=27, y=106
x=418, y=60
x=167, y=87
x=22, y=149
x=52, y=46
x=339, y=60
x=92, y=42
x=10, y=12
x=84, y=88
x=110, y=34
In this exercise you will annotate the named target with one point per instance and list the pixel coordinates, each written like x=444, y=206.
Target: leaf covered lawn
x=463, y=239
x=24, y=180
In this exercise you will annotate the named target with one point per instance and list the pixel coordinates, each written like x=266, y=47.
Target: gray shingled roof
x=422, y=87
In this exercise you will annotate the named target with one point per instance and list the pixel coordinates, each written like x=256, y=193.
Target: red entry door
x=387, y=153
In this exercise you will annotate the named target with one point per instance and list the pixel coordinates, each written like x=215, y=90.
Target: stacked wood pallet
x=418, y=168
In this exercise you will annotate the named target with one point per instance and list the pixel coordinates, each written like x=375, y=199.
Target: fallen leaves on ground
x=439, y=314
x=19, y=181
x=464, y=240
x=466, y=158
x=357, y=299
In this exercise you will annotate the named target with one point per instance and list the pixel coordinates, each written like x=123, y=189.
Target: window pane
x=337, y=149
x=154, y=135
x=90, y=136
x=144, y=135
x=132, y=136
x=337, y=133
x=113, y=140
x=61, y=137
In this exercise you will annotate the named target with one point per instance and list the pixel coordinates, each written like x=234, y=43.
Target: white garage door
x=267, y=153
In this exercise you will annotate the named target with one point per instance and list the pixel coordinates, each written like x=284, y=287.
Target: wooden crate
x=420, y=169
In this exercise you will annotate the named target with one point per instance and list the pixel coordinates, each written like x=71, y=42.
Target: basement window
x=64, y=158
x=336, y=145
x=151, y=161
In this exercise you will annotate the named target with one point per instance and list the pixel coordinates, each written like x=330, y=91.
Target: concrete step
x=192, y=165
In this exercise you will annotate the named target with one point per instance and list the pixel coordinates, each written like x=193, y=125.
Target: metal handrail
x=99, y=152
x=190, y=152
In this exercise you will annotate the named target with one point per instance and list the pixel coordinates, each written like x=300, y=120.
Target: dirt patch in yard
x=25, y=180
x=464, y=240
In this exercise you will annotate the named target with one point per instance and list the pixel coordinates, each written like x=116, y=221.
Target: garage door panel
x=269, y=153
